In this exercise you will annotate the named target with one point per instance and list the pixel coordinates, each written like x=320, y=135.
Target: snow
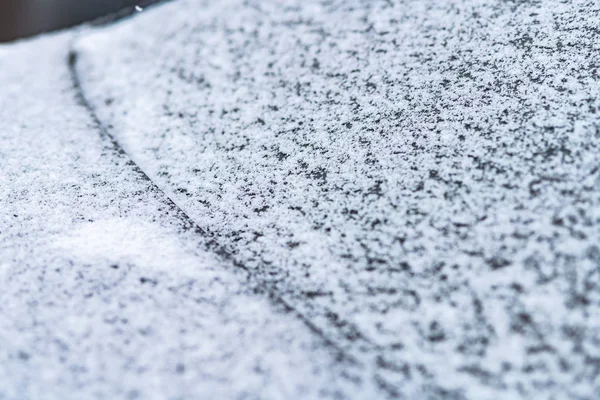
x=418, y=181
x=104, y=293
x=420, y=178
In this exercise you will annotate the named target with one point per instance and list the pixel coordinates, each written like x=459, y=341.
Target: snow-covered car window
x=304, y=199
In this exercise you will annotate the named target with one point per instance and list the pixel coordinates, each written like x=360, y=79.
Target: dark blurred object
x=22, y=18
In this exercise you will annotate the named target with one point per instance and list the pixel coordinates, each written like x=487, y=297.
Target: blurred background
x=22, y=18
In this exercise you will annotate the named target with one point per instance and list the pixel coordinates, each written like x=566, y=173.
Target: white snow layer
x=103, y=292
x=419, y=180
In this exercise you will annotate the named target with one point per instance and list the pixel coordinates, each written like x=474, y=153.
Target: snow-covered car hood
x=304, y=199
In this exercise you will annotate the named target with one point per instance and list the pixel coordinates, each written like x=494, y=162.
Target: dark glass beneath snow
x=23, y=18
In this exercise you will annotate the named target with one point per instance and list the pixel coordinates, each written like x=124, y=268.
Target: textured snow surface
x=104, y=293
x=421, y=178
x=418, y=181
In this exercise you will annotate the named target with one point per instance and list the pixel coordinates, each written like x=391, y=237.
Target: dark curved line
x=188, y=223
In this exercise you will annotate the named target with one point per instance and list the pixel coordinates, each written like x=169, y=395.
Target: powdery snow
x=372, y=199
x=105, y=292
x=420, y=179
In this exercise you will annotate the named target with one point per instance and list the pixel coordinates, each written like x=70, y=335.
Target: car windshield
x=302, y=199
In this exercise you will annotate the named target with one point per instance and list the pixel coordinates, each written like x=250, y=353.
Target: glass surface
x=22, y=18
